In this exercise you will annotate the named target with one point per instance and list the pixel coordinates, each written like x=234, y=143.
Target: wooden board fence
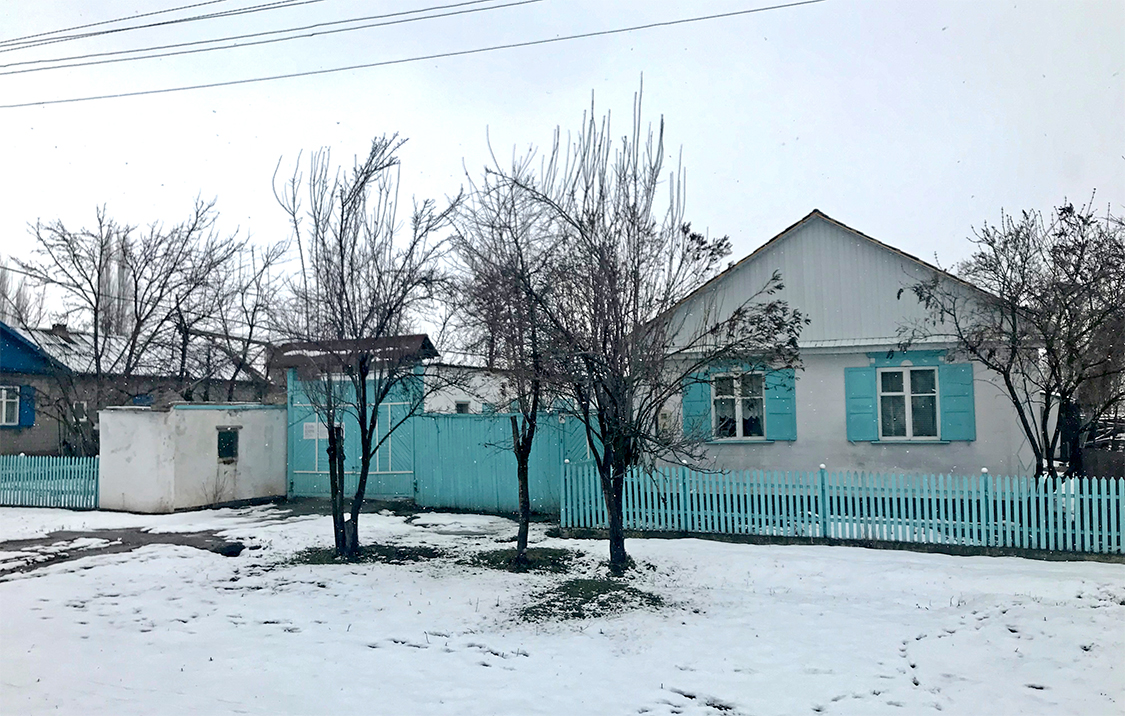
x=1073, y=514
x=35, y=481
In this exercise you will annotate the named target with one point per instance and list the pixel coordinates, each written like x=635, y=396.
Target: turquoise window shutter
x=958, y=410
x=859, y=395
x=697, y=406
x=27, y=406
x=781, y=405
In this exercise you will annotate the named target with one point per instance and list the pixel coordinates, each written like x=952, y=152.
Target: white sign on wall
x=318, y=431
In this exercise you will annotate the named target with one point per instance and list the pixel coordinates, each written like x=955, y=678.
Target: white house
x=858, y=403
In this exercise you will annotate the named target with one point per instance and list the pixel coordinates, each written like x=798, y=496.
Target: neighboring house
x=47, y=378
x=859, y=403
x=24, y=368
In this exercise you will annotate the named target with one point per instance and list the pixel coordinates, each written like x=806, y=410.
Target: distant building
x=50, y=393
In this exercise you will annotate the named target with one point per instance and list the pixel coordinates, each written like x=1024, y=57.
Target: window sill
x=910, y=442
x=741, y=441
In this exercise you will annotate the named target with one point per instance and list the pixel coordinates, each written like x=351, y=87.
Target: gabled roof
x=18, y=354
x=818, y=214
x=73, y=351
x=332, y=354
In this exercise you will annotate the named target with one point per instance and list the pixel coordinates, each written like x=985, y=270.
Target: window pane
x=752, y=385
x=228, y=444
x=893, y=409
x=922, y=382
x=724, y=386
x=724, y=418
x=752, y=423
x=11, y=412
x=923, y=411
x=891, y=381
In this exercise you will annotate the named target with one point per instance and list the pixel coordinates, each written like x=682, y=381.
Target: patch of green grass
x=382, y=553
x=587, y=599
x=537, y=559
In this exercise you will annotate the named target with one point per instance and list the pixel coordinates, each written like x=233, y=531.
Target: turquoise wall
x=438, y=460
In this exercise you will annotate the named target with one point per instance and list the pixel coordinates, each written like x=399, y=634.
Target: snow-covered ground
x=748, y=629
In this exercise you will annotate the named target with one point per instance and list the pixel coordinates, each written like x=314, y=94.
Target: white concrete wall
x=136, y=465
x=200, y=478
x=158, y=461
x=478, y=387
x=822, y=433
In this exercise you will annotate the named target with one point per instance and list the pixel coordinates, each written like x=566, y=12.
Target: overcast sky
x=910, y=121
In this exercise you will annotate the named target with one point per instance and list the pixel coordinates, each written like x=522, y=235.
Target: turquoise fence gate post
x=823, y=502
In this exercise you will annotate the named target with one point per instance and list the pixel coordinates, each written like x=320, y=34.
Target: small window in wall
x=228, y=443
x=739, y=406
x=80, y=411
x=908, y=404
x=9, y=405
x=462, y=407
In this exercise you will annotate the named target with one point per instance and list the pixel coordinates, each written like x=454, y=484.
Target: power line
x=240, y=37
x=421, y=58
x=110, y=22
x=271, y=32
x=11, y=45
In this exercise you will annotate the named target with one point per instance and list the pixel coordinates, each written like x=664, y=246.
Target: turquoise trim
x=781, y=404
x=697, y=406
x=958, y=405
x=882, y=359
x=859, y=400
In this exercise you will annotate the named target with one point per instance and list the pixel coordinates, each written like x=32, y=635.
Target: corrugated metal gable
x=846, y=283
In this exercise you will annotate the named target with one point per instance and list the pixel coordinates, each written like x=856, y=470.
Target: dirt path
x=65, y=545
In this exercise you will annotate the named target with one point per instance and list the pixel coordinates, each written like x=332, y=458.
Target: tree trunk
x=612, y=490
x=336, y=482
x=522, y=452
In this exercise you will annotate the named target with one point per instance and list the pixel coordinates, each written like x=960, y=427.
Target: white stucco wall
x=160, y=461
x=475, y=387
x=259, y=471
x=822, y=432
x=135, y=469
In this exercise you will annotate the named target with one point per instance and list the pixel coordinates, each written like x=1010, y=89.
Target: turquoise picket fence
x=1072, y=515
x=35, y=481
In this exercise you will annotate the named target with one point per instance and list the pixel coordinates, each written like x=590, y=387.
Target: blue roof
x=19, y=355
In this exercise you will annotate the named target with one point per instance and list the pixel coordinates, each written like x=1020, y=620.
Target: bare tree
x=627, y=264
x=21, y=303
x=1049, y=318
x=124, y=288
x=247, y=300
x=362, y=285
x=505, y=243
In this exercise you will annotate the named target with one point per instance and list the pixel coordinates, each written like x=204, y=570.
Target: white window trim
x=738, y=409
x=909, y=437
x=9, y=391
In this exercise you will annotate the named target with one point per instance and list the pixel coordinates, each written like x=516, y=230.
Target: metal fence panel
x=45, y=481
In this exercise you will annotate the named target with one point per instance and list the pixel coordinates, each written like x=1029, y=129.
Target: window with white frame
x=739, y=406
x=9, y=405
x=908, y=404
